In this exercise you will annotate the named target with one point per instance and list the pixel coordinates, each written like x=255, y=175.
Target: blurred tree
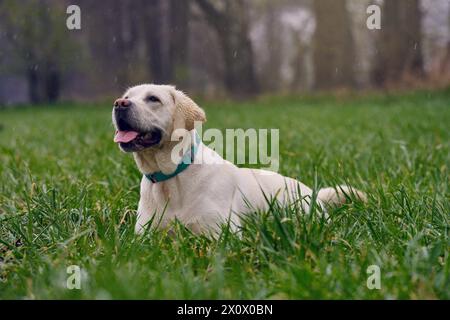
x=205, y=45
x=38, y=40
x=399, y=43
x=333, y=47
x=154, y=16
x=125, y=32
x=113, y=39
x=179, y=40
x=445, y=63
x=301, y=80
x=270, y=77
x=300, y=76
x=166, y=36
x=229, y=19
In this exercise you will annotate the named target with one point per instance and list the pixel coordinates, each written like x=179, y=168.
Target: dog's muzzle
x=128, y=135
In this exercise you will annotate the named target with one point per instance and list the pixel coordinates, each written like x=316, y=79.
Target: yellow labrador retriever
x=186, y=180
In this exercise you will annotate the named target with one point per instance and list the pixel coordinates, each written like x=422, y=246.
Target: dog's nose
x=122, y=103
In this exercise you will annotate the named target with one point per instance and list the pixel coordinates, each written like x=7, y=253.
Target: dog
x=154, y=122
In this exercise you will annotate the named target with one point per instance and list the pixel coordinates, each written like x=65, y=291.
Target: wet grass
x=68, y=197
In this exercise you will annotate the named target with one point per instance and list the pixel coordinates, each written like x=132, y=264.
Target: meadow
x=68, y=197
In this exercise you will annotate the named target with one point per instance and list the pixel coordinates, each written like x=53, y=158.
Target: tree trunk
x=231, y=26
x=399, y=43
x=271, y=77
x=125, y=38
x=179, y=37
x=33, y=85
x=52, y=83
x=414, y=64
x=333, y=46
x=154, y=18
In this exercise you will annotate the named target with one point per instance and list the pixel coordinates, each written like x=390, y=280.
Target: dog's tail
x=340, y=195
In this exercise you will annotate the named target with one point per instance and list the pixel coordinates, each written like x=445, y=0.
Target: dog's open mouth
x=131, y=141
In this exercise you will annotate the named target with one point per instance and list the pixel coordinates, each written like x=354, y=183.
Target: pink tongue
x=125, y=136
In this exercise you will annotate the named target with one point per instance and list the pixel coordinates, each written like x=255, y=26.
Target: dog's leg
x=141, y=223
x=340, y=195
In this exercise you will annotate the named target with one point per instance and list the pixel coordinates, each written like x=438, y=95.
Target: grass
x=68, y=196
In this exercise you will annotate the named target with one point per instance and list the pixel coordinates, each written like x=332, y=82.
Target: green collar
x=188, y=158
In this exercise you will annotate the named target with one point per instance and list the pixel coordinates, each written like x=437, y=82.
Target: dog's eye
x=152, y=99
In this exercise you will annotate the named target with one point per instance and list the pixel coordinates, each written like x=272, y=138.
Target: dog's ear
x=187, y=111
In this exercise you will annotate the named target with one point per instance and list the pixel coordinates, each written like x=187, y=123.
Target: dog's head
x=146, y=115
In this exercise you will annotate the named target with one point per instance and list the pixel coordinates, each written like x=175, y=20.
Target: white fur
x=204, y=195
